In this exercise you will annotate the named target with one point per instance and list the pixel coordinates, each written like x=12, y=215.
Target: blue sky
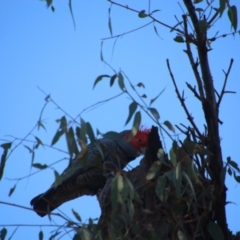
x=41, y=49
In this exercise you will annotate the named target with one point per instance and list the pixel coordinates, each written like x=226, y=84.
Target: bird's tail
x=43, y=204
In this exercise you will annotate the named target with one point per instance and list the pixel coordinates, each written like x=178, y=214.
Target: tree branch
x=189, y=117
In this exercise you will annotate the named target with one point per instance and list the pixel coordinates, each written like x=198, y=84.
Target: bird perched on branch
x=87, y=172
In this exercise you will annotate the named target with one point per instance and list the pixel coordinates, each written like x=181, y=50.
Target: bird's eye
x=140, y=140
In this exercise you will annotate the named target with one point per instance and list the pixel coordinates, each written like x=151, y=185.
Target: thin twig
x=225, y=83
x=28, y=208
x=193, y=89
x=192, y=62
x=51, y=100
x=150, y=16
x=122, y=34
x=189, y=117
x=95, y=104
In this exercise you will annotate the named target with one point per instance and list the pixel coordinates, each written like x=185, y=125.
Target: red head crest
x=140, y=139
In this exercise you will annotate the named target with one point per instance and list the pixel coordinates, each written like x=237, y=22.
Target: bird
x=87, y=174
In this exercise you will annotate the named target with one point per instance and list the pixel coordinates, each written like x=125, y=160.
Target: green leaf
x=6, y=147
x=180, y=234
x=169, y=126
x=136, y=122
x=144, y=96
x=232, y=163
x=40, y=235
x=57, y=136
x=101, y=54
x=160, y=188
x=76, y=214
x=112, y=79
x=121, y=81
x=109, y=21
x=190, y=184
x=215, y=231
x=40, y=166
x=232, y=15
x=39, y=142
x=154, y=99
x=237, y=178
x=203, y=26
x=3, y=233
x=222, y=6
x=154, y=169
x=155, y=30
x=49, y=3
x=154, y=11
x=90, y=132
x=132, y=108
x=142, y=14
x=116, y=189
x=83, y=131
x=179, y=39
x=12, y=190
x=141, y=85
x=173, y=153
x=178, y=180
x=71, y=13
x=71, y=143
x=155, y=113
x=58, y=179
x=99, y=78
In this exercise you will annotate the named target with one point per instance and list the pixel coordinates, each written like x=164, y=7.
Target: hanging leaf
x=99, y=78
x=141, y=85
x=232, y=15
x=155, y=113
x=132, y=108
x=142, y=14
x=121, y=81
x=6, y=147
x=154, y=169
x=90, y=132
x=112, y=79
x=154, y=99
x=173, y=153
x=160, y=188
x=3, y=233
x=76, y=214
x=169, y=125
x=58, y=179
x=40, y=166
x=12, y=190
x=49, y=3
x=109, y=21
x=215, y=231
x=71, y=143
x=203, y=26
x=178, y=175
x=222, y=6
x=40, y=235
x=179, y=39
x=57, y=136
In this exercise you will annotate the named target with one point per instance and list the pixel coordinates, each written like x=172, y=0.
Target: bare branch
x=189, y=117
x=224, y=84
x=192, y=62
x=131, y=31
x=193, y=89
